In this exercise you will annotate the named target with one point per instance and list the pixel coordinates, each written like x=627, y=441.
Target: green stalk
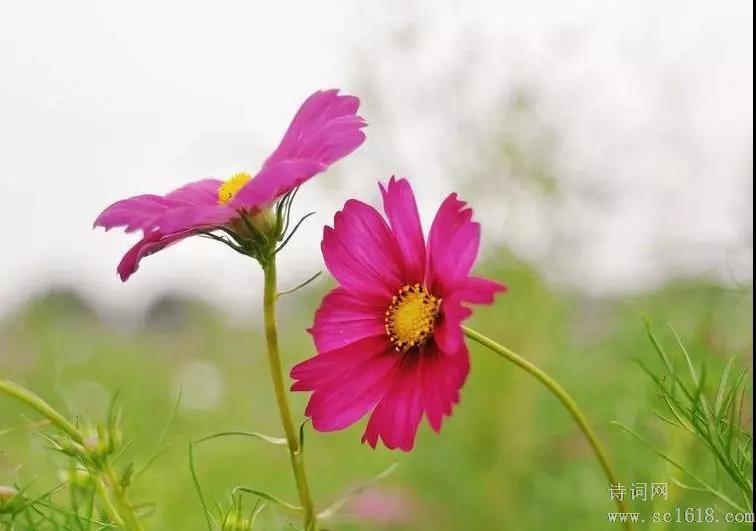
x=558, y=391
x=42, y=407
x=276, y=372
x=123, y=515
x=125, y=509
x=107, y=503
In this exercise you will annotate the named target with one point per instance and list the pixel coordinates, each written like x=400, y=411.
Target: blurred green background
x=509, y=457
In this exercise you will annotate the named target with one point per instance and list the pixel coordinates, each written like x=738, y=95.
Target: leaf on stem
x=198, y=489
x=277, y=441
x=336, y=506
x=299, y=286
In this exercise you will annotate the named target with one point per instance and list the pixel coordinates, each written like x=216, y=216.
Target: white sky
x=103, y=100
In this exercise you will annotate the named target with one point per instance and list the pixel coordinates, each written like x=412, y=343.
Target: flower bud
x=236, y=522
x=116, y=437
x=97, y=441
x=77, y=477
x=7, y=493
x=69, y=447
x=11, y=502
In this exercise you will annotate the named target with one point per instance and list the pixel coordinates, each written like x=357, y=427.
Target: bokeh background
x=606, y=147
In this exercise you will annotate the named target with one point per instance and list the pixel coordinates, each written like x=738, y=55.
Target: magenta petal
x=202, y=192
x=145, y=212
x=149, y=244
x=327, y=367
x=325, y=129
x=396, y=417
x=452, y=245
x=478, y=290
x=138, y=212
x=361, y=252
x=275, y=180
x=344, y=318
x=448, y=333
x=343, y=402
x=401, y=210
x=347, y=382
x=194, y=217
x=441, y=378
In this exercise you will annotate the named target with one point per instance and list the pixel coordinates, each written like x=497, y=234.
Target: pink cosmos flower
x=325, y=129
x=389, y=338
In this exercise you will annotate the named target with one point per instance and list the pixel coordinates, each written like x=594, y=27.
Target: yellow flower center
x=411, y=317
x=231, y=187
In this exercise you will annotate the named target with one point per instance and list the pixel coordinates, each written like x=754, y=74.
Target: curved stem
x=276, y=372
x=107, y=503
x=42, y=407
x=123, y=516
x=126, y=510
x=563, y=397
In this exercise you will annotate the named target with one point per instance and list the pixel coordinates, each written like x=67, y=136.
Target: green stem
x=563, y=397
x=107, y=503
x=123, y=516
x=126, y=510
x=276, y=372
x=42, y=407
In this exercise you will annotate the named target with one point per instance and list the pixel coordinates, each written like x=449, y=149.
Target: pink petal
x=344, y=318
x=448, y=333
x=348, y=382
x=144, y=212
x=343, y=402
x=325, y=129
x=149, y=244
x=428, y=381
x=441, y=378
x=361, y=252
x=396, y=417
x=327, y=367
x=478, y=290
x=136, y=212
x=401, y=210
x=202, y=192
x=194, y=217
x=452, y=245
x=275, y=180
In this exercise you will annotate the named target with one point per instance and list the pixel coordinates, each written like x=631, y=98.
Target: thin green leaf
x=299, y=286
x=160, y=447
x=293, y=231
x=289, y=203
x=223, y=240
x=722, y=389
x=251, y=227
x=278, y=441
x=302, y=433
x=198, y=488
x=258, y=509
x=680, y=467
x=687, y=487
x=335, y=507
x=267, y=496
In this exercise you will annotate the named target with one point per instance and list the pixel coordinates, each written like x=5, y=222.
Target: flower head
x=325, y=129
x=11, y=501
x=389, y=338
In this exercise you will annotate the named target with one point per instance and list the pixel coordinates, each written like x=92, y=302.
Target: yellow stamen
x=411, y=317
x=231, y=187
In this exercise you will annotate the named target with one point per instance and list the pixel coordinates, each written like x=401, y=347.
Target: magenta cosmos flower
x=325, y=129
x=389, y=338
